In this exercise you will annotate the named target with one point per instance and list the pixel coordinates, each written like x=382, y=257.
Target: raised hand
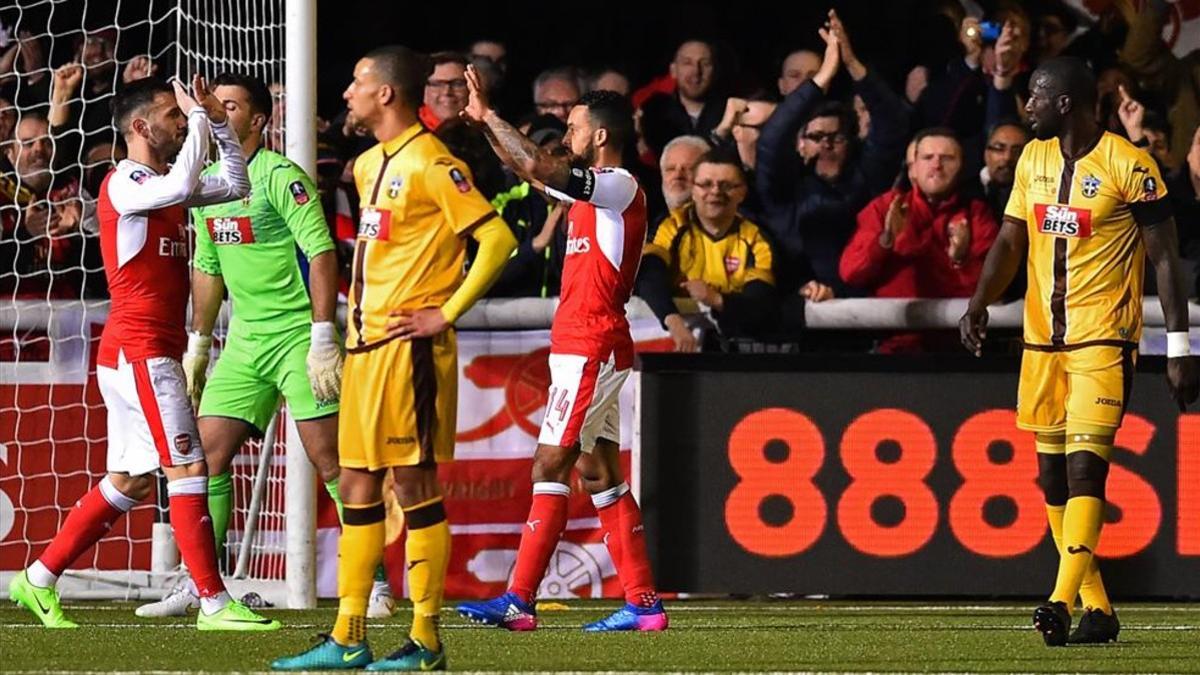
x=832, y=60
x=853, y=66
x=1132, y=113
x=33, y=56
x=66, y=82
x=213, y=107
x=478, y=106
x=734, y=107
x=186, y=103
x=1008, y=50
x=970, y=35
x=139, y=67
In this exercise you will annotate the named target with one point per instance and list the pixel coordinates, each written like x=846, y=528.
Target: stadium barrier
x=893, y=476
x=52, y=450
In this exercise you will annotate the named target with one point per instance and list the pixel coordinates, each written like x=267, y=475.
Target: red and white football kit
x=145, y=248
x=591, y=350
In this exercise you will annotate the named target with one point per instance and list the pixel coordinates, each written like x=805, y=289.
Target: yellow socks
x=1092, y=590
x=359, y=551
x=1081, y=532
x=427, y=551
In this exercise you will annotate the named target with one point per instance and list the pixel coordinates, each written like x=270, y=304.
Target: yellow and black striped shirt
x=1086, y=258
x=417, y=200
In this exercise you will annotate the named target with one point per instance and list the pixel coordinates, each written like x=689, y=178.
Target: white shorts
x=583, y=404
x=150, y=420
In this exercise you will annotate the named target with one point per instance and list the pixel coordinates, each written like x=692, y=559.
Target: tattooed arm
x=514, y=148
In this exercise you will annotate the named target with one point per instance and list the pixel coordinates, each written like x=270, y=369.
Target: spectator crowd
x=835, y=183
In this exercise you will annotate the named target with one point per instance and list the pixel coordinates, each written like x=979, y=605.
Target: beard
x=676, y=198
x=586, y=158
x=169, y=146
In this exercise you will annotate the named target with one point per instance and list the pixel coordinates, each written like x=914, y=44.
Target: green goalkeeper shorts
x=253, y=371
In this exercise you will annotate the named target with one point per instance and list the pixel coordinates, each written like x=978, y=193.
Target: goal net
x=53, y=301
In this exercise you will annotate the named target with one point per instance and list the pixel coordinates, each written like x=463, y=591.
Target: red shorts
x=150, y=419
x=583, y=404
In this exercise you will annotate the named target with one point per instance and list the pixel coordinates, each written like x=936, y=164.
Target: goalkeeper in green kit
x=280, y=342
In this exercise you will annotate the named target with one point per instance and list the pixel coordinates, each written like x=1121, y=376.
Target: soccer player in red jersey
x=144, y=244
x=591, y=353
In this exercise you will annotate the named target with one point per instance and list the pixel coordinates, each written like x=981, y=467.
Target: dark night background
x=638, y=38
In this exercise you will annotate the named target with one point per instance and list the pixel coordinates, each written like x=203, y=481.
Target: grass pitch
x=704, y=636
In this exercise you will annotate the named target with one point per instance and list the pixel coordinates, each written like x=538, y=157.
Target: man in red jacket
x=927, y=242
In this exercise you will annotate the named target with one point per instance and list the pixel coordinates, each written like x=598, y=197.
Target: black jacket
x=665, y=118
x=809, y=218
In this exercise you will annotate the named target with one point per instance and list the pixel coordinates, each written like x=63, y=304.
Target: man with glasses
x=811, y=197
x=708, y=252
x=445, y=90
x=1000, y=155
x=555, y=92
x=740, y=130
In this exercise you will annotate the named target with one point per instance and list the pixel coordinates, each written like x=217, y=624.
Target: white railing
x=532, y=313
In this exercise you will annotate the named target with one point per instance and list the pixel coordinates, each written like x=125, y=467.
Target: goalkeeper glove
x=325, y=363
x=195, y=365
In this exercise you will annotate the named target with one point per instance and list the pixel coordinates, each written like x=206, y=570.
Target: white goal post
x=56, y=444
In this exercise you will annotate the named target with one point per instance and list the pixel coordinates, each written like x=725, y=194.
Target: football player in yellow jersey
x=1088, y=207
x=399, y=386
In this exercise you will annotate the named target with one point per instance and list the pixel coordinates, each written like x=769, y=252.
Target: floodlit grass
x=704, y=635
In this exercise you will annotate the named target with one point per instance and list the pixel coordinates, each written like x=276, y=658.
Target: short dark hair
x=1009, y=121
x=438, y=58
x=843, y=112
x=1071, y=76
x=403, y=68
x=260, y=95
x=613, y=112
x=724, y=157
x=134, y=97
x=937, y=132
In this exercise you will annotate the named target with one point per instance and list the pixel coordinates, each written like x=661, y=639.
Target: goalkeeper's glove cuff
x=199, y=343
x=324, y=333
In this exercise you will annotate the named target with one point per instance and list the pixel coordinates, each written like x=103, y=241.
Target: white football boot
x=176, y=603
x=382, y=605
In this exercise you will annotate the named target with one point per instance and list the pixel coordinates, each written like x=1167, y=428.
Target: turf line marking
x=739, y=627
x=687, y=606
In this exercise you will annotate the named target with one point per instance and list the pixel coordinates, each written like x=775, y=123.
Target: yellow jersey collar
x=393, y=146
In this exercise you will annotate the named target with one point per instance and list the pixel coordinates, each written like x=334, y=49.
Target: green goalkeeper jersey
x=252, y=243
